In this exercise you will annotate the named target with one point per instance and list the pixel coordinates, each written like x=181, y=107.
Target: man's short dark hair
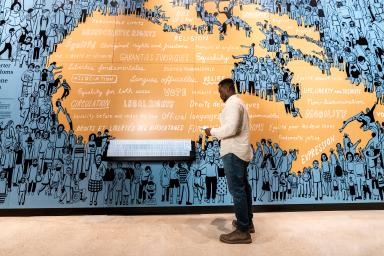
x=228, y=83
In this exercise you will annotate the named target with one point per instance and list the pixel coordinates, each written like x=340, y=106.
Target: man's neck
x=229, y=96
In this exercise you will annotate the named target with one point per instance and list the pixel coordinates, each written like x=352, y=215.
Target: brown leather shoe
x=236, y=237
x=251, y=227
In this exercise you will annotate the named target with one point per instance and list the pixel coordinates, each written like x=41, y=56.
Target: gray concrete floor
x=296, y=234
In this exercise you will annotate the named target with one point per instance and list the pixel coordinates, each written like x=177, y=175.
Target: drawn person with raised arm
x=228, y=11
x=364, y=118
x=10, y=42
x=66, y=88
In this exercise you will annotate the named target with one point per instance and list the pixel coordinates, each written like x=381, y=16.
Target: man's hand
x=208, y=131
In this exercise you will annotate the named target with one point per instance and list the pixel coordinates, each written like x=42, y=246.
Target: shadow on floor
x=220, y=225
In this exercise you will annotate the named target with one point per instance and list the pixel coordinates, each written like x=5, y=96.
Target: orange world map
x=128, y=75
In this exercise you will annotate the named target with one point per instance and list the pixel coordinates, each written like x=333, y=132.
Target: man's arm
x=355, y=145
x=373, y=107
x=5, y=39
x=231, y=124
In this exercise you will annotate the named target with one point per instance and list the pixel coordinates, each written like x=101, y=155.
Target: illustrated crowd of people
x=351, y=34
x=29, y=36
x=267, y=78
x=60, y=165
x=350, y=31
x=210, y=20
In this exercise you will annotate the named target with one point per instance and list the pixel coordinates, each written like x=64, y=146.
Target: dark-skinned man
x=236, y=153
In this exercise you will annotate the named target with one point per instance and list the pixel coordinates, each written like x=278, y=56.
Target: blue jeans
x=237, y=178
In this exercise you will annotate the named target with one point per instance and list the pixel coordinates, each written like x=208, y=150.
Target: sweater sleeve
x=230, y=123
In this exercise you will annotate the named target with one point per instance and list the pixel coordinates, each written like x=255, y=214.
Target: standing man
x=236, y=153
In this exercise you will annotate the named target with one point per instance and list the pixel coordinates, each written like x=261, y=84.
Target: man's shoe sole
x=246, y=241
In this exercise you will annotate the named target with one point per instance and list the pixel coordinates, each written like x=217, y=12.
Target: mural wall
x=76, y=74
